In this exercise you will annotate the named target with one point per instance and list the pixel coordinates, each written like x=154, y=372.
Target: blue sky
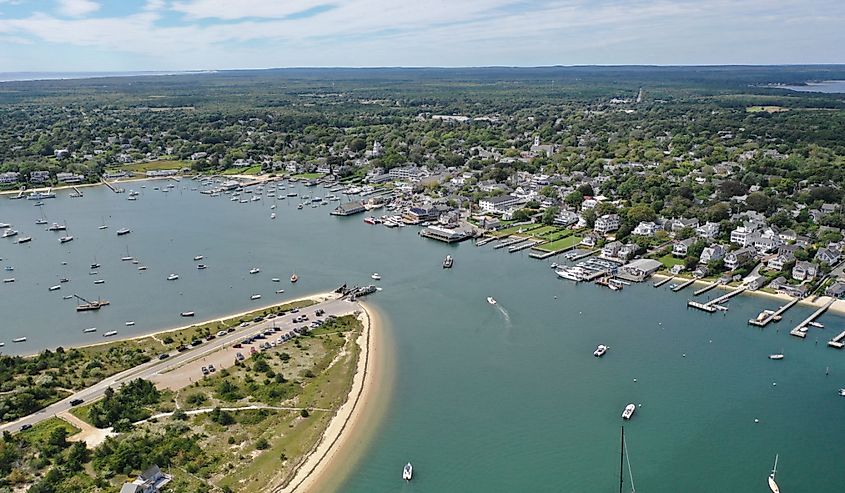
x=107, y=35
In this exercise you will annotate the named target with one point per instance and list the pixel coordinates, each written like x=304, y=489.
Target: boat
x=129, y=323
x=172, y=277
x=294, y=277
x=273, y=207
x=198, y=257
x=9, y=233
x=41, y=195
x=87, y=331
x=629, y=411
x=143, y=267
x=817, y=325
x=100, y=281
x=272, y=215
x=842, y=392
x=299, y=207
x=55, y=288
x=67, y=297
x=57, y=227
x=600, y=350
x=776, y=356
x=255, y=297
x=64, y=279
x=19, y=339
x=65, y=239
x=408, y=472
x=95, y=265
x=110, y=333
x=370, y=220
x=41, y=221
x=9, y=280
x=254, y=270
x=491, y=300
x=5, y=225
x=9, y=268
x=103, y=227
x=376, y=276
x=187, y=314
x=567, y=273
x=447, y=262
x=25, y=239
x=123, y=231
x=280, y=291
x=772, y=484
x=276, y=279
x=201, y=266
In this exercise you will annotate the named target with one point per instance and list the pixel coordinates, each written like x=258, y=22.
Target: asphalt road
x=176, y=359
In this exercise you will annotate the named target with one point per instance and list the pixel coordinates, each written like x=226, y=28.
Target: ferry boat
x=600, y=350
x=773, y=486
x=110, y=333
x=19, y=339
x=9, y=233
x=55, y=288
x=198, y=257
x=123, y=231
x=294, y=278
x=25, y=239
x=776, y=356
x=65, y=239
x=88, y=331
x=629, y=411
x=255, y=297
x=376, y=276
x=491, y=300
x=57, y=227
x=172, y=277
x=201, y=266
x=408, y=472
x=447, y=262
x=187, y=314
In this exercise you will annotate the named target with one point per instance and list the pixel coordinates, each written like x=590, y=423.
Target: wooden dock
x=701, y=306
x=530, y=244
x=109, y=185
x=837, y=342
x=727, y=296
x=662, y=281
x=780, y=311
x=487, y=240
x=798, y=332
x=683, y=285
x=703, y=290
x=714, y=304
x=584, y=255
x=509, y=243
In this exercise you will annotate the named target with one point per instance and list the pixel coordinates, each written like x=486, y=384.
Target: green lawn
x=560, y=244
x=669, y=261
x=526, y=228
x=252, y=170
x=154, y=165
x=38, y=434
x=308, y=176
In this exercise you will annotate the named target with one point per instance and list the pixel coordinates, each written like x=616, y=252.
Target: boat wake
x=505, y=315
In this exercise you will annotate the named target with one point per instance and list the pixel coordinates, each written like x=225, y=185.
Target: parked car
x=76, y=402
x=204, y=370
x=25, y=426
x=240, y=357
x=211, y=368
x=163, y=355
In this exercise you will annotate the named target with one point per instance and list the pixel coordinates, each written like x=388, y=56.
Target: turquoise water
x=485, y=398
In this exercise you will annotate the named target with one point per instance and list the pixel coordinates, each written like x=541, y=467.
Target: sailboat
x=103, y=226
x=623, y=458
x=42, y=220
x=772, y=484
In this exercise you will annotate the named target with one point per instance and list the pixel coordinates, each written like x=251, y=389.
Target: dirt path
x=90, y=435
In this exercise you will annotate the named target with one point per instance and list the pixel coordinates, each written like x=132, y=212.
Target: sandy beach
x=321, y=466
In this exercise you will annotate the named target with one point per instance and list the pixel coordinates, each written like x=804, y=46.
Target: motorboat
x=842, y=392
x=25, y=239
x=448, y=261
x=600, y=350
x=129, y=323
x=280, y=291
x=187, y=314
x=57, y=227
x=776, y=356
x=201, y=266
x=9, y=280
x=294, y=278
x=491, y=300
x=92, y=329
x=376, y=276
x=255, y=297
x=110, y=333
x=65, y=239
x=272, y=215
x=100, y=281
x=9, y=233
x=198, y=257
x=19, y=339
x=123, y=231
x=172, y=277
x=67, y=297
x=629, y=411
x=254, y=270
x=54, y=288
x=142, y=267
x=276, y=279
x=408, y=472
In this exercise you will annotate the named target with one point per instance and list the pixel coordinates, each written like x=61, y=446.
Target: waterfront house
x=700, y=271
x=406, y=173
x=804, y=271
x=755, y=282
x=836, y=290
x=348, y=209
x=680, y=248
x=627, y=251
x=829, y=255
x=735, y=258
x=607, y=223
x=708, y=230
x=39, y=176
x=69, y=178
x=646, y=228
x=113, y=175
x=713, y=252
x=675, y=225
x=611, y=249
x=565, y=218
x=589, y=240
x=499, y=204
x=639, y=269
x=796, y=291
x=150, y=481
x=778, y=261
x=742, y=236
x=10, y=177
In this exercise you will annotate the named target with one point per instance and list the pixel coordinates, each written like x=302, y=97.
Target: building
x=804, y=271
x=836, y=290
x=708, y=230
x=69, y=178
x=447, y=235
x=406, y=173
x=348, y=209
x=646, y=229
x=113, y=175
x=829, y=256
x=681, y=247
x=639, y=269
x=713, y=252
x=39, y=176
x=162, y=172
x=627, y=251
x=565, y=218
x=735, y=258
x=780, y=260
x=498, y=205
x=607, y=223
x=742, y=236
x=611, y=249
x=10, y=177
x=150, y=481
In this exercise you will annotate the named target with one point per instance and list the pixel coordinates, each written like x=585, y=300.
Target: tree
x=522, y=215
x=758, y=201
x=718, y=212
x=574, y=199
x=731, y=188
x=549, y=215
x=586, y=190
x=641, y=213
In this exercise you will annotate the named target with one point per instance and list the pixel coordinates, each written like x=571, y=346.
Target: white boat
x=100, y=281
x=272, y=215
x=776, y=356
x=187, y=314
x=65, y=239
x=448, y=261
x=280, y=291
x=67, y=297
x=772, y=484
x=201, y=266
x=198, y=257
x=842, y=392
x=567, y=273
x=294, y=277
x=272, y=207
x=110, y=333
x=19, y=339
x=408, y=472
x=25, y=239
x=276, y=279
x=130, y=323
x=55, y=288
x=143, y=267
x=600, y=350
x=9, y=233
x=92, y=329
x=5, y=225
x=172, y=277
x=9, y=279
x=629, y=411
x=123, y=231
x=255, y=297
x=376, y=276
x=491, y=300
x=254, y=270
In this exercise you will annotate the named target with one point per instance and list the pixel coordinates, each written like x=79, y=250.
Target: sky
x=168, y=35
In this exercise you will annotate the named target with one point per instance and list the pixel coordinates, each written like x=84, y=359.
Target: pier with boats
x=800, y=330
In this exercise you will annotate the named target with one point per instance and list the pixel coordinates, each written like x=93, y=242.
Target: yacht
x=629, y=411
x=41, y=195
x=491, y=300
x=123, y=231
x=92, y=329
x=65, y=239
x=776, y=356
x=370, y=220
x=376, y=276
x=600, y=350
x=55, y=288
x=130, y=323
x=447, y=262
x=201, y=266
x=25, y=239
x=19, y=339
x=568, y=273
x=9, y=233
x=187, y=314
x=198, y=257
x=172, y=277
x=254, y=270
x=255, y=297
x=57, y=227
x=408, y=472
x=110, y=333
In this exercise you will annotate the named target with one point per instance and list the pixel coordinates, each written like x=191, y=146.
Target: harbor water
x=504, y=397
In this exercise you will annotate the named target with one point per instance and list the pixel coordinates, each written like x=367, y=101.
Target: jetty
x=703, y=290
x=762, y=322
x=727, y=296
x=517, y=248
x=487, y=240
x=662, y=281
x=110, y=187
x=683, y=285
x=837, y=342
x=800, y=330
x=715, y=304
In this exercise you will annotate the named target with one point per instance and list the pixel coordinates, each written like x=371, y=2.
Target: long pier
x=703, y=290
x=727, y=296
x=774, y=315
x=584, y=255
x=509, y=243
x=662, y=281
x=713, y=305
x=798, y=332
x=683, y=285
x=517, y=248
x=487, y=240
x=109, y=185
x=837, y=342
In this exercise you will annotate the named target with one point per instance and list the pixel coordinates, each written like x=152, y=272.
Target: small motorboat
x=65, y=239
x=9, y=279
x=272, y=215
x=629, y=411
x=408, y=472
x=776, y=356
x=187, y=314
x=172, y=277
x=55, y=288
x=376, y=276
x=198, y=257
x=280, y=291
x=491, y=300
x=255, y=297
x=64, y=279
x=130, y=323
x=100, y=281
x=110, y=333
x=254, y=270
x=92, y=329
x=143, y=267
x=842, y=392
x=19, y=339
x=276, y=279
x=202, y=266
x=67, y=297
x=294, y=278
x=600, y=350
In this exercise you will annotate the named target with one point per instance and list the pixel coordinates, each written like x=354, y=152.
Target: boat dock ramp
x=662, y=281
x=705, y=289
x=773, y=316
x=800, y=330
x=715, y=304
x=683, y=285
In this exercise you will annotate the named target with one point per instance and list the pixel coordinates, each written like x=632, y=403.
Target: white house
x=499, y=204
x=611, y=249
x=607, y=223
x=39, y=176
x=742, y=236
x=736, y=257
x=646, y=229
x=681, y=247
x=10, y=177
x=713, y=252
x=804, y=271
x=829, y=256
x=708, y=230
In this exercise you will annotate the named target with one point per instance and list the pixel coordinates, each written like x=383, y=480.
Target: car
x=76, y=402
x=319, y=312
x=204, y=370
x=246, y=341
x=25, y=426
x=182, y=348
x=277, y=329
x=258, y=319
x=196, y=342
x=240, y=356
x=272, y=315
x=230, y=329
x=295, y=310
x=210, y=337
x=211, y=368
x=221, y=333
x=238, y=346
x=163, y=355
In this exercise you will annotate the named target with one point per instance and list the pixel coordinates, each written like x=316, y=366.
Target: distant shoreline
x=59, y=76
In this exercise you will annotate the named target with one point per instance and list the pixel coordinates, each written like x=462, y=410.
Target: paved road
x=147, y=370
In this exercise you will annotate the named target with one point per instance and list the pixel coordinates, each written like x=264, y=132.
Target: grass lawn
x=669, y=261
x=251, y=170
x=525, y=228
x=560, y=244
x=308, y=176
x=154, y=165
x=38, y=434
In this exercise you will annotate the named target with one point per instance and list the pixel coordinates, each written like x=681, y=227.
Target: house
x=700, y=271
x=764, y=243
x=10, y=177
x=708, y=230
x=39, y=176
x=589, y=241
x=406, y=173
x=639, y=269
x=150, y=481
x=781, y=259
x=713, y=252
x=799, y=291
x=69, y=178
x=742, y=236
x=498, y=204
x=735, y=258
x=627, y=251
x=611, y=249
x=681, y=247
x=646, y=228
x=755, y=282
x=836, y=290
x=113, y=175
x=565, y=218
x=675, y=225
x=788, y=235
x=829, y=256
x=61, y=153
x=804, y=271
x=607, y=223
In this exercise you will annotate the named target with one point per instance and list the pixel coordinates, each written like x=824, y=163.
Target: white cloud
x=78, y=8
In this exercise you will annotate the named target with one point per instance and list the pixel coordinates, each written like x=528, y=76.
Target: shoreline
x=838, y=307
x=324, y=458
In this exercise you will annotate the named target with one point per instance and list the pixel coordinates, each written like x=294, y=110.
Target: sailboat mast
x=622, y=460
